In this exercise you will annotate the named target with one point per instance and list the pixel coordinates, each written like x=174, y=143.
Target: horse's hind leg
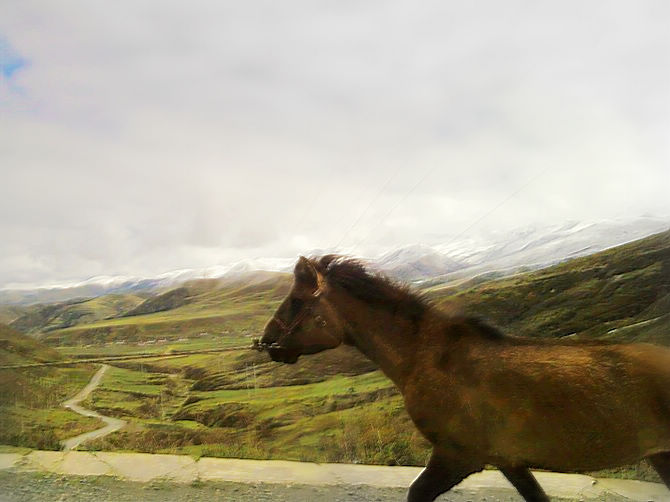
x=661, y=462
x=441, y=474
x=525, y=483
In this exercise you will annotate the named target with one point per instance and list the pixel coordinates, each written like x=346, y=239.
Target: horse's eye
x=296, y=305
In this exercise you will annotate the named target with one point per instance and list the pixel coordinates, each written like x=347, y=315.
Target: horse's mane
x=371, y=287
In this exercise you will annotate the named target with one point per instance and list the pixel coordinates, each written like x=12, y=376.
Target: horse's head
x=305, y=322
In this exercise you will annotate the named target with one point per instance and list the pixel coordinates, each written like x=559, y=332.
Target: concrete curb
x=145, y=467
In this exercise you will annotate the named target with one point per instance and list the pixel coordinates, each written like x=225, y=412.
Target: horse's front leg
x=525, y=483
x=443, y=471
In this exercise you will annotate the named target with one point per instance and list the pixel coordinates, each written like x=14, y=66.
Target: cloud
x=151, y=139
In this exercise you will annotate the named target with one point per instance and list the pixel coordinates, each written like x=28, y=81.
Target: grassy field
x=30, y=399
x=43, y=318
x=30, y=406
x=235, y=318
x=223, y=308
x=355, y=418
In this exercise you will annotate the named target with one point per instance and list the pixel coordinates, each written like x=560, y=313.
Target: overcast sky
x=138, y=137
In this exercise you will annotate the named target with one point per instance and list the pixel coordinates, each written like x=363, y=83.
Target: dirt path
x=113, y=424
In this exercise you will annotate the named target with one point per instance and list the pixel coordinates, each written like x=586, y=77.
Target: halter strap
x=288, y=329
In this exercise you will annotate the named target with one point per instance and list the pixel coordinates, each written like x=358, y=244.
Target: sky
x=138, y=137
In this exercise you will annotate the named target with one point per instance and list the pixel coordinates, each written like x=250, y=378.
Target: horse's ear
x=306, y=274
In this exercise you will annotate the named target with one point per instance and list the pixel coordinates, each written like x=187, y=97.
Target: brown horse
x=481, y=397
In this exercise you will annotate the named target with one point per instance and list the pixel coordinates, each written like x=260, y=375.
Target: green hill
x=17, y=348
x=166, y=301
x=9, y=313
x=621, y=293
x=43, y=318
x=235, y=308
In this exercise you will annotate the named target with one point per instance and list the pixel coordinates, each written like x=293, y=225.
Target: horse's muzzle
x=277, y=353
x=282, y=355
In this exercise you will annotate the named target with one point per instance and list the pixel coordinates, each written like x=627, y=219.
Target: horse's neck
x=388, y=340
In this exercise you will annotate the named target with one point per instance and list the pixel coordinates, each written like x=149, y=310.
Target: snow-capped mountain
x=445, y=259
x=417, y=261
x=102, y=285
x=531, y=247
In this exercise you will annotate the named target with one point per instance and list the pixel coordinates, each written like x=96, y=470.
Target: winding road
x=113, y=424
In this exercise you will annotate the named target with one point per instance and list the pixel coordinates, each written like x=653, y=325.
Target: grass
x=229, y=309
x=336, y=386
x=30, y=406
x=307, y=422
x=133, y=382
x=587, y=296
x=22, y=450
x=16, y=348
x=63, y=423
x=137, y=394
x=37, y=318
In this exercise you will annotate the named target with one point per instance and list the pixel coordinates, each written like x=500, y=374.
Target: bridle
x=288, y=329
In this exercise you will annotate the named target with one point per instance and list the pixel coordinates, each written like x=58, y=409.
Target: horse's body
x=478, y=396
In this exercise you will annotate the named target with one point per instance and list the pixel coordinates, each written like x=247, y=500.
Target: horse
x=481, y=397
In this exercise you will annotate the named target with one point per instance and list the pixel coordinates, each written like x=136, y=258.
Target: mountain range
x=446, y=259
x=507, y=252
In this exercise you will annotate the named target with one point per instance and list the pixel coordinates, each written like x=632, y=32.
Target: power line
x=496, y=207
x=400, y=201
x=367, y=208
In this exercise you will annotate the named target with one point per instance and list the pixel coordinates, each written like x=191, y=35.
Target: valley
x=330, y=407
